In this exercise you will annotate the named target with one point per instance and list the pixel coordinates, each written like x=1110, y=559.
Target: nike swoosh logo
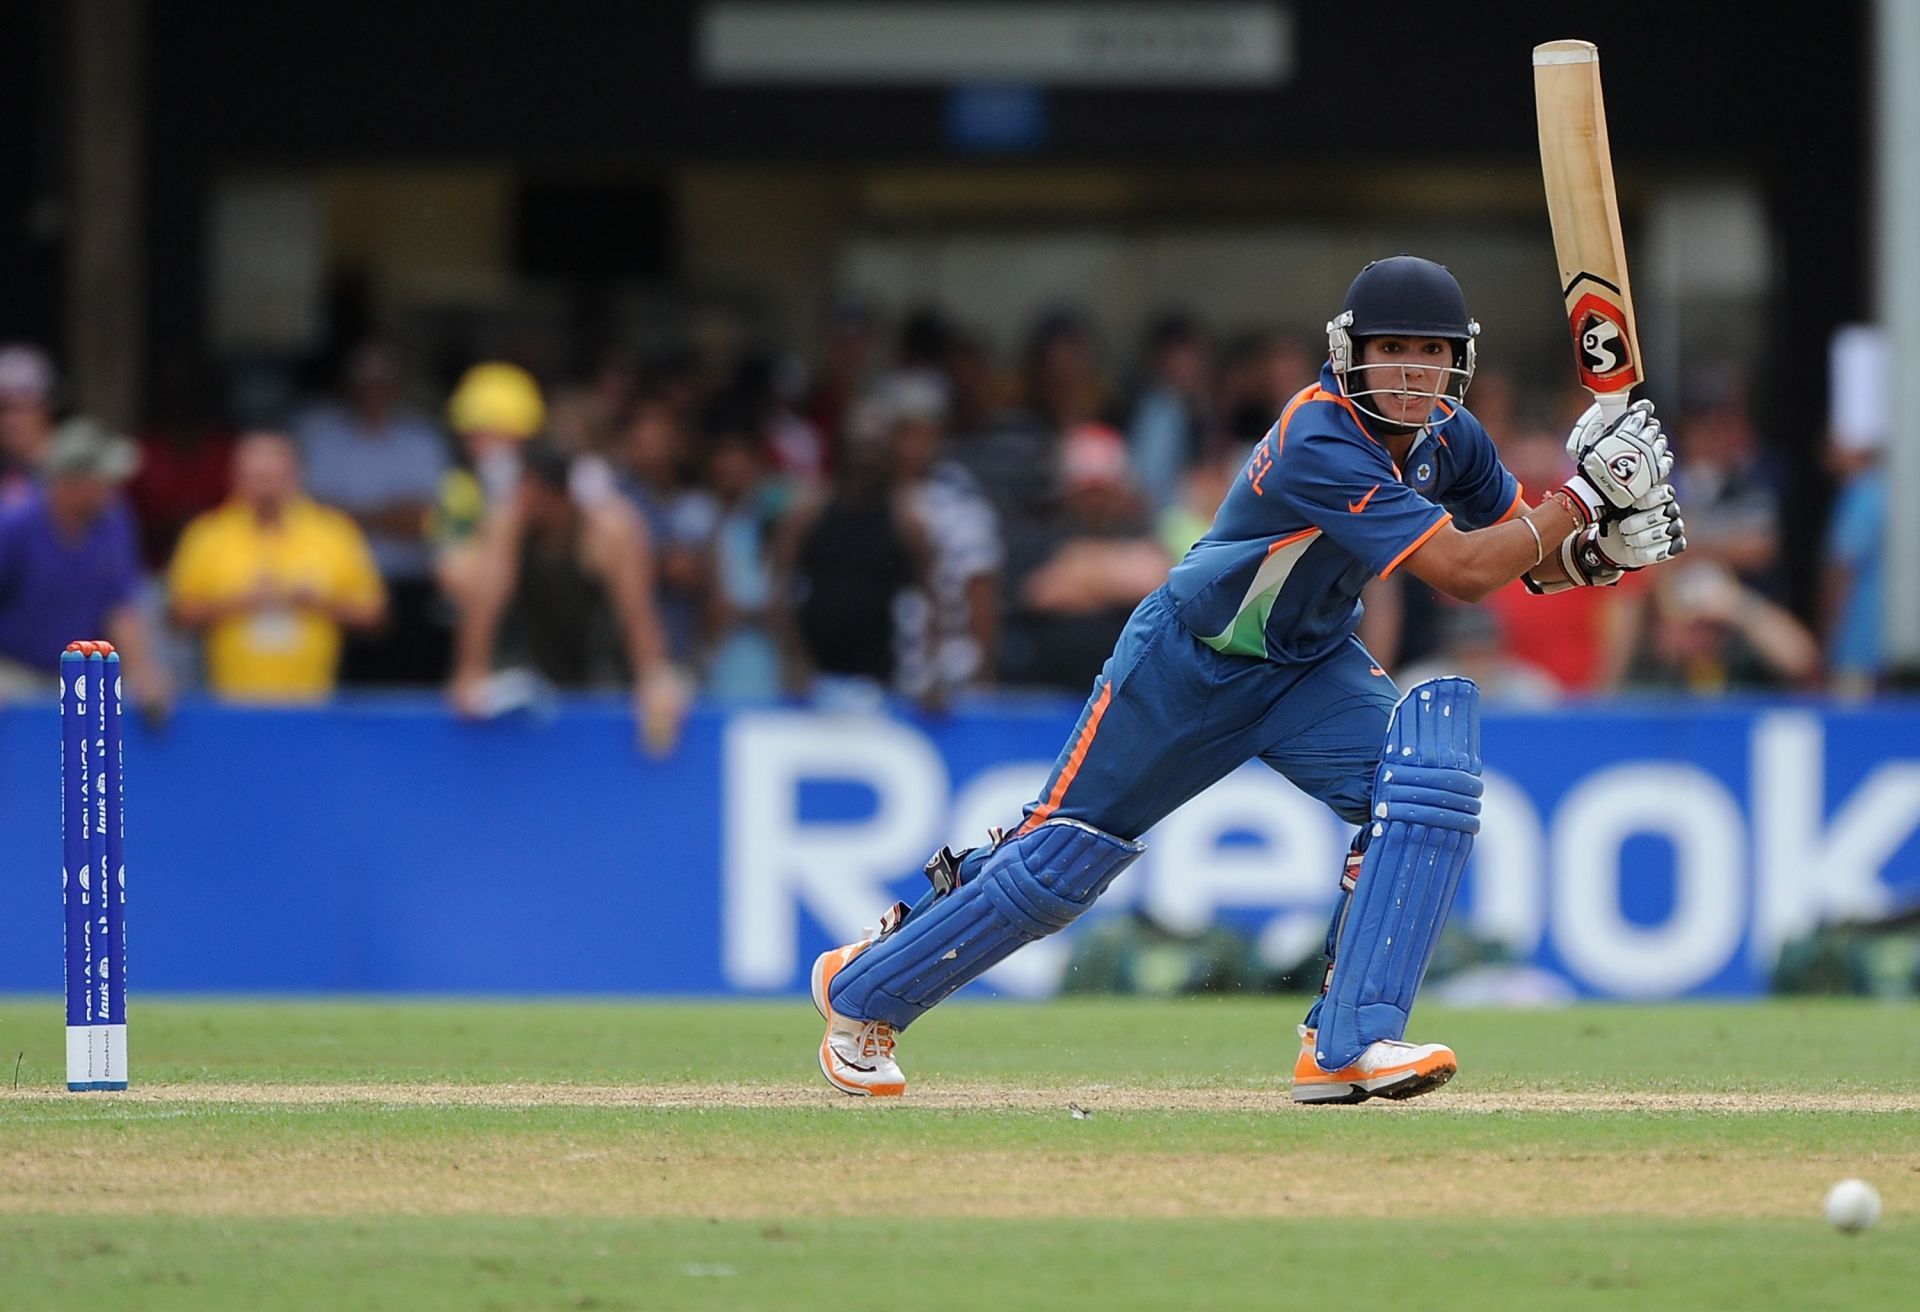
x=1357, y=506
x=852, y=1065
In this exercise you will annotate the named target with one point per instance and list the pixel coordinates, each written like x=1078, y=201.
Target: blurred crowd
x=913, y=513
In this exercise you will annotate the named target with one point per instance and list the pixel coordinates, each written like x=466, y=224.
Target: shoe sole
x=1330, y=1094
x=1398, y=1087
x=1418, y=1085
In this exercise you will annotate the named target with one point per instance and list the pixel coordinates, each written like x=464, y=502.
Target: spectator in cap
x=26, y=417
x=382, y=464
x=70, y=567
x=493, y=410
x=564, y=588
x=273, y=581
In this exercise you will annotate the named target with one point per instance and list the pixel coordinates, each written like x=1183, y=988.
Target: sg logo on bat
x=1600, y=344
x=1602, y=347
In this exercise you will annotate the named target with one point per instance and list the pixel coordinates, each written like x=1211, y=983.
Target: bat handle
x=1613, y=404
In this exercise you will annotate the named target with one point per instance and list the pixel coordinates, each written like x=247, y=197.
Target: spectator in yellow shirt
x=273, y=580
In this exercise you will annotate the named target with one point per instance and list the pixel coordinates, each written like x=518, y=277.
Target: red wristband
x=1573, y=505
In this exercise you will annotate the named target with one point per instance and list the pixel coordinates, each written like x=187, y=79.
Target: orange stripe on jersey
x=1519, y=505
x=1360, y=424
x=1292, y=538
x=1072, y=768
x=1260, y=462
x=1351, y=409
x=1304, y=395
x=1415, y=545
x=1300, y=398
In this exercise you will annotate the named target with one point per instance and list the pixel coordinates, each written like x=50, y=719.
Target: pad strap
x=1349, y=880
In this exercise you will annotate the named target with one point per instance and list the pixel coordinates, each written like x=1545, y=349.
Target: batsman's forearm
x=1525, y=543
x=1472, y=566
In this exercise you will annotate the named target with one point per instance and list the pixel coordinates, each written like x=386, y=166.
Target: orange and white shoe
x=856, y=1056
x=1387, y=1069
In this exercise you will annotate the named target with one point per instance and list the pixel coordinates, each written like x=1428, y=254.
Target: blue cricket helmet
x=1407, y=296
x=1404, y=296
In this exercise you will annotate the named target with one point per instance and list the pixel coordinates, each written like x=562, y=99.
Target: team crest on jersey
x=1423, y=475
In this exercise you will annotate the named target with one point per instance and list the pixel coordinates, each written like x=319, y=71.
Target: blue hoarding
x=1657, y=850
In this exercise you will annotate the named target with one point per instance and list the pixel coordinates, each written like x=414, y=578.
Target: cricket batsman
x=1248, y=651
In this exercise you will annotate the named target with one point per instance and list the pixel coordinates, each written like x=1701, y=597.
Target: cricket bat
x=1578, y=167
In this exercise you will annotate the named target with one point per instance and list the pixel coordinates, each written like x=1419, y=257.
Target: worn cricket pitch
x=526, y=1155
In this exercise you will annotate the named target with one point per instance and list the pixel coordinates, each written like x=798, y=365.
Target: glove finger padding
x=1585, y=431
x=1660, y=495
x=1662, y=457
x=1676, y=534
x=1644, y=538
x=1592, y=425
x=1644, y=525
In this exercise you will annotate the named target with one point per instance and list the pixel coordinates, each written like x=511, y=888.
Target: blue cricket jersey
x=1319, y=510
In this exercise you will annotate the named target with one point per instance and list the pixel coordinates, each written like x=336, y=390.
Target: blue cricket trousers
x=1169, y=716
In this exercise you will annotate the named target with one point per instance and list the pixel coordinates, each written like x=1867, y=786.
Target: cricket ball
x=1852, y=1206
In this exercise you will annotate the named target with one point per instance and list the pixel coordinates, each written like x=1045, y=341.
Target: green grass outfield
x=432, y=1154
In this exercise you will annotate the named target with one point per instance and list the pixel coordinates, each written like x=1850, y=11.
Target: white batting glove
x=1592, y=423
x=1585, y=432
x=1598, y=554
x=1620, y=465
x=1649, y=534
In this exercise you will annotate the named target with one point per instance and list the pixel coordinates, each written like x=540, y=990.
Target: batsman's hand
x=1620, y=463
x=1648, y=534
